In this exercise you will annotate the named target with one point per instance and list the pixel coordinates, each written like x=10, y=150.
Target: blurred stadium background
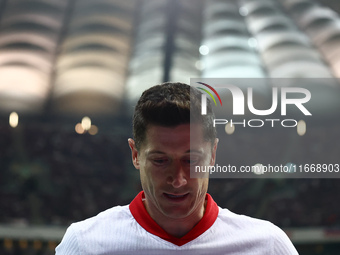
x=70, y=74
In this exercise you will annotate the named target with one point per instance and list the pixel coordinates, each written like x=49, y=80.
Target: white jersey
x=130, y=230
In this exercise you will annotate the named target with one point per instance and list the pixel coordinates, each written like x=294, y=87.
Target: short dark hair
x=171, y=104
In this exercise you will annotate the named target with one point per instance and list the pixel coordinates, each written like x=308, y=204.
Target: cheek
x=150, y=178
x=144, y=175
x=202, y=186
x=147, y=184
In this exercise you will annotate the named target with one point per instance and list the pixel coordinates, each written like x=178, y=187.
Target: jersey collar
x=143, y=218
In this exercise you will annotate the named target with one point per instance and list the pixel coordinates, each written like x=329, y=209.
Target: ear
x=134, y=153
x=213, y=155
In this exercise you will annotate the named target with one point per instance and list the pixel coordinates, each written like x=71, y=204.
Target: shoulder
x=256, y=231
x=107, y=217
x=239, y=221
x=106, y=223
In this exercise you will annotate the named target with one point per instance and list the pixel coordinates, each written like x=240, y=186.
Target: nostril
x=179, y=182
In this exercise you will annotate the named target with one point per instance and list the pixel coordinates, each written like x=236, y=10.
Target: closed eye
x=160, y=161
x=193, y=160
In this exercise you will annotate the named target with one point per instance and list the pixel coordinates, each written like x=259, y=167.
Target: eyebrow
x=154, y=152
x=161, y=152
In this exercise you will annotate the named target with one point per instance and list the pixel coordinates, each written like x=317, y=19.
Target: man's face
x=164, y=161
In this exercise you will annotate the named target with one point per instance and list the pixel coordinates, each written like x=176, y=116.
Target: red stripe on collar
x=143, y=218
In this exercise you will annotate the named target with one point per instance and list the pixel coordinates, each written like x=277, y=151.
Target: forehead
x=178, y=138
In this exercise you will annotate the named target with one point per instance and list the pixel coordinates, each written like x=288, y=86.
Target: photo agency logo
x=204, y=97
x=257, y=122
x=295, y=96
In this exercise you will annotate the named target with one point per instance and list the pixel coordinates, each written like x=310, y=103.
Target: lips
x=176, y=197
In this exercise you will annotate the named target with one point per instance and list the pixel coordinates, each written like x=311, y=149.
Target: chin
x=177, y=213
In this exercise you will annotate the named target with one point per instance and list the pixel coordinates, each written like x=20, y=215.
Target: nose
x=178, y=177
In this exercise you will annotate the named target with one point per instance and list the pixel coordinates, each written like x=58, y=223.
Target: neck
x=177, y=227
